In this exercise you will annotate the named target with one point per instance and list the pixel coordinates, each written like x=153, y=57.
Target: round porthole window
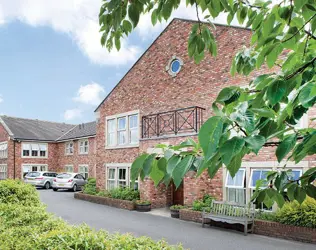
x=174, y=66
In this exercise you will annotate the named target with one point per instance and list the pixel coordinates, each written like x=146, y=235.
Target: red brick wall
x=150, y=89
x=77, y=159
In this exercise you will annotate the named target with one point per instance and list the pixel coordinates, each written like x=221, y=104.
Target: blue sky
x=52, y=66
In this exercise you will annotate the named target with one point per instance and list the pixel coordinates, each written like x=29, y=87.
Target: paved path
x=190, y=234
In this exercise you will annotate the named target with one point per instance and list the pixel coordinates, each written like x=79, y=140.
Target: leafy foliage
x=90, y=187
x=177, y=207
x=283, y=38
x=26, y=226
x=128, y=194
x=199, y=205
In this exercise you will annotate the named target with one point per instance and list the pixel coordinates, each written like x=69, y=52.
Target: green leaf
x=273, y=55
x=279, y=199
x=268, y=24
x=268, y=201
x=225, y=94
x=209, y=135
x=255, y=143
x=231, y=148
x=154, y=17
x=269, y=129
x=286, y=146
x=117, y=42
x=230, y=18
x=276, y=91
x=156, y=174
x=137, y=166
x=198, y=57
x=264, y=112
x=127, y=26
x=306, y=96
x=235, y=163
x=148, y=164
x=311, y=191
x=172, y=163
x=291, y=189
x=133, y=14
x=181, y=169
x=299, y=4
x=299, y=194
x=213, y=169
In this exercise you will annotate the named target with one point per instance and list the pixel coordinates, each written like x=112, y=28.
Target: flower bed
x=261, y=227
x=123, y=204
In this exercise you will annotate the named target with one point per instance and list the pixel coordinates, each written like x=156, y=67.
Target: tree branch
x=241, y=129
x=198, y=17
x=299, y=29
x=250, y=5
x=301, y=69
x=310, y=34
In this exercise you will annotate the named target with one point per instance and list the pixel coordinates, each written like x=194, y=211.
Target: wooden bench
x=231, y=213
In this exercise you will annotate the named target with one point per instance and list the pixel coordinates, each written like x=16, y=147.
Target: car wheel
x=74, y=188
x=47, y=185
x=55, y=189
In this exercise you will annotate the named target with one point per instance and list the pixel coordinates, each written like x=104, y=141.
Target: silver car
x=71, y=181
x=40, y=179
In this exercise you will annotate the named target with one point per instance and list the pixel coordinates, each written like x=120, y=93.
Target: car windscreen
x=64, y=176
x=33, y=174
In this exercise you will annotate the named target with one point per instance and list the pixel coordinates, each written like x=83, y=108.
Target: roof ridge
x=29, y=119
x=67, y=132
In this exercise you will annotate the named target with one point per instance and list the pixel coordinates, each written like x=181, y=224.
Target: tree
x=266, y=112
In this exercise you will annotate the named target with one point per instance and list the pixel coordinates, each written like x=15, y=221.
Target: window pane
x=122, y=183
x=111, y=173
x=121, y=137
x=121, y=123
x=122, y=174
x=43, y=147
x=34, y=153
x=111, y=125
x=256, y=175
x=26, y=146
x=133, y=136
x=111, y=139
x=42, y=153
x=35, y=146
x=295, y=174
x=236, y=195
x=111, y=184
x=238, y=180
x=133, y=121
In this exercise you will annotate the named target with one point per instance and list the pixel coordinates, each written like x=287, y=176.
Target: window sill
x=34, y=157
x=169, y=136
x=122, y=146
x=69, y=154
x=83, y=153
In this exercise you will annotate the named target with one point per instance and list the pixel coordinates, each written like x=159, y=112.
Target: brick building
x=164, y=98
x=34, y=145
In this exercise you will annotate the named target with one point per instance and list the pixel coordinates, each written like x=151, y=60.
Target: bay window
x=122, y=130
x=34, y=150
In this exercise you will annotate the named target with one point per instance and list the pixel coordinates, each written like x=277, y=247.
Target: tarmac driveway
x=190, y=234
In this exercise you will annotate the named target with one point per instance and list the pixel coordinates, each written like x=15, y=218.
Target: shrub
x=206, y=202
x=128, y=194
x=91, y=187
x=27, y=227
x=270, y=216
x=17, y=192
x=292, y=213
x=177, y=207
x=143, y=202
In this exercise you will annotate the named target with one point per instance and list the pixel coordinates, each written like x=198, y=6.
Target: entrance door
x=178, y=197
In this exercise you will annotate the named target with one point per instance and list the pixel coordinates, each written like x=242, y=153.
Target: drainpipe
x=13, y=159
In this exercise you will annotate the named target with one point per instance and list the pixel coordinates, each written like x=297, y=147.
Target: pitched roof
x=165, y=29
x=79, y=131
x=30, y=129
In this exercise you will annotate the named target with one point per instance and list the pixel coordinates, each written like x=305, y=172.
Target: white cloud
x=72, y=114
x=90, y=94
x=77, y=18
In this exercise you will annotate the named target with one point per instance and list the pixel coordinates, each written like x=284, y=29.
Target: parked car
x=40, y=179
x=71, y=181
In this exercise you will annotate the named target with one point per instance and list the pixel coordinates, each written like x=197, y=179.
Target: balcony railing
x=185, y=120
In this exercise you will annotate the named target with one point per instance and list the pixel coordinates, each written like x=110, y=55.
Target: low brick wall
x=261, y=227
x=129, y=205
x=278, y=230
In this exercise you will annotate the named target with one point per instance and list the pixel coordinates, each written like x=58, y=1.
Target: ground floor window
x=241, y=188
x=3, y=172
x=69, y=168
x=84, y=171
x=33, y=168
x=119, y=176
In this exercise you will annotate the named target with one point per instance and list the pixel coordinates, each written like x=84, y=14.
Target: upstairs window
x=69, y=148
x=122, y=130
x=84, y=147
x=34, y=150
x=3, y=150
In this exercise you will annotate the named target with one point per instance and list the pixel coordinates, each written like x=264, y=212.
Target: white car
x=40, y=179
x=71, y=181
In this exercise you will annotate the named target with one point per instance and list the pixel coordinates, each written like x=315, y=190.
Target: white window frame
x=242, y=187
x=127, y=130
x=122, y=130
x=83, y=148
x=4, y=169
x=116, y=180
x=3, y=150
x=33, y=165
x=38, y=149
x=68, y=148
x=251, y=174
x=84, y=173
x=67, y=168
x=243, y=178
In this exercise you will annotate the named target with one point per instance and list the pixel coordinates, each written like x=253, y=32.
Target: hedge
x=25, y=224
